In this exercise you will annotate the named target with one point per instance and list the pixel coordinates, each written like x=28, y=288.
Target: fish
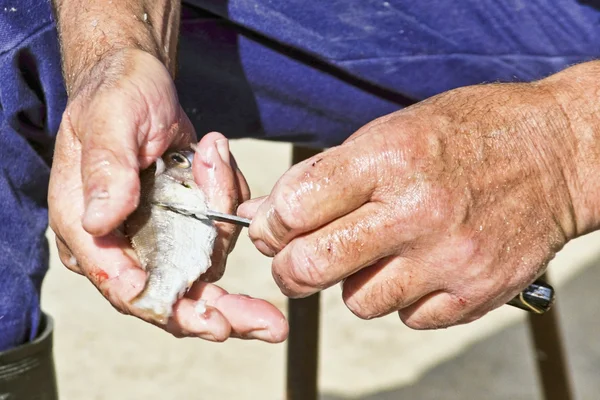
x=170, y=233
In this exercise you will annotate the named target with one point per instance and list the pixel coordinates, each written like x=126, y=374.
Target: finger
x=176, y=136
x=315, y=192
x=243, y=195
x=115, y=145
x=438, y=310
x=389, y=285
x=214, y=174
x=108, y=261
x=66, y=256
x=122, y=282
x=241, y=182
x=249, y=208
x=252, y=318
x=249, y=317
x=111, y=265
x=109, y=168
x=322, y=258
x=191, y=318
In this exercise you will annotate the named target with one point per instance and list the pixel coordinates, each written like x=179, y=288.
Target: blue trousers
x=303, y=71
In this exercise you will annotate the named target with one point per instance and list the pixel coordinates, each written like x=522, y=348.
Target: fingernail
x=260, y=334
x=223, y=149
x=208, y=336
x=200, y=307
x=131, y=255
x=100, y=194
x=209, y=156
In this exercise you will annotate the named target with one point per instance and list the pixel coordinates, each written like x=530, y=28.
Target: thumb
x=109, y=171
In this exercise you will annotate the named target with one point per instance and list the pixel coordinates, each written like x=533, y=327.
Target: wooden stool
x=303, y=341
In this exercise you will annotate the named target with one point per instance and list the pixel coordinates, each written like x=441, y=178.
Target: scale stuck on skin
x=170, y=233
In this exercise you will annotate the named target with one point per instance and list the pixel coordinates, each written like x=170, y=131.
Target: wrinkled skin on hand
x=124, y=114
x=442, y=211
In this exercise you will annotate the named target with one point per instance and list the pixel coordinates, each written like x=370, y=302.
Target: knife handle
x=536, y=298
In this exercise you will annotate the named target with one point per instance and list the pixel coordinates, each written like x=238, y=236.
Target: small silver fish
x=170, y=233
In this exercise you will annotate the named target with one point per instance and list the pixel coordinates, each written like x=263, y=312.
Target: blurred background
x=101, y=354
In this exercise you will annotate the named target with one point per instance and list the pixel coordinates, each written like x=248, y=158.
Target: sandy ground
x=101, y=354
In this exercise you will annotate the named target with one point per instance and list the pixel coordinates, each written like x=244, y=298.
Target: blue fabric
x=32, y=98
x=304, y=71
x=414, y=49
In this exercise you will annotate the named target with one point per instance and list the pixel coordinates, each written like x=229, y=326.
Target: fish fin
x=152, y=309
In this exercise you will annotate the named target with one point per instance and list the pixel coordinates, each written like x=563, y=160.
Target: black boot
x=27, y=372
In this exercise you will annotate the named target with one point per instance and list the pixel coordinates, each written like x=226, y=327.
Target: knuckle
x=388, y=297
x=287, y=208
x=66, y=256
x=281, y=282
x=347, y=242
x=373, y=302
x=286, y=285
x=305, y=267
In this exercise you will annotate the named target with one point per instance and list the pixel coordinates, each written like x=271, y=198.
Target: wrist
x=576, y=91
x=91, y=32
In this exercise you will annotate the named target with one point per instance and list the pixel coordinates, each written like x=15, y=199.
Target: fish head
x=176, y=165
x=172, y=184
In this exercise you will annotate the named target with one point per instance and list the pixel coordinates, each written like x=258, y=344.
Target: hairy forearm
x=577, y=92
x=91, y=29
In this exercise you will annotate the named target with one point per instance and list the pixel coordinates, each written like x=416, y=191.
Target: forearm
x=91, y=29
x=577, y=92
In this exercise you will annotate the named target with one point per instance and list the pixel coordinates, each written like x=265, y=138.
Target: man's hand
x=123, y=114
x=106, y=136
x=441, y=211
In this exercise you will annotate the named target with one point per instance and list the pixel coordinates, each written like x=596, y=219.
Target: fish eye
x=180, y=160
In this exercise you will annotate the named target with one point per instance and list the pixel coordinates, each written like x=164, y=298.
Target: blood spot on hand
x=462, y=301
x=99, y=276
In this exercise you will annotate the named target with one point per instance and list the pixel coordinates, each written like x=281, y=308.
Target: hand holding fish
x=442, y=211
x=123, y=115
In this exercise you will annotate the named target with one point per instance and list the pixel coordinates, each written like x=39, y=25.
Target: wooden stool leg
x=303, y=349
x=549, y=353
x=303, y=341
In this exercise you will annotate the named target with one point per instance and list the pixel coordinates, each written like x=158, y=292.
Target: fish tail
x=163, y=288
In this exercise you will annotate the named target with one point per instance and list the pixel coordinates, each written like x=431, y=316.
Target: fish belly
x=175, y=250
